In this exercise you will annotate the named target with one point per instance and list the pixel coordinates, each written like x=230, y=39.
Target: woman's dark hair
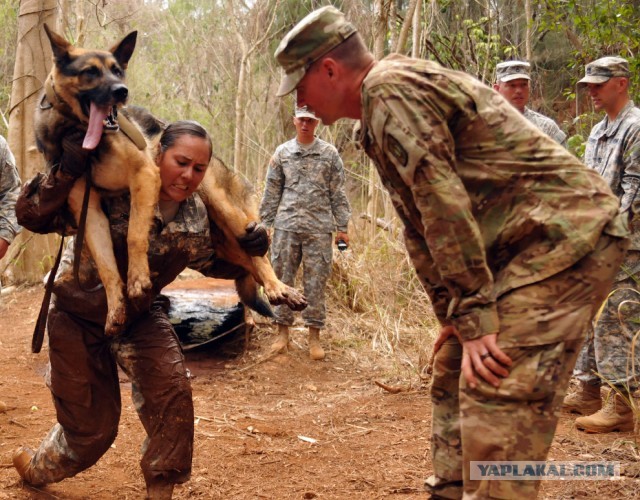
x=177, y=129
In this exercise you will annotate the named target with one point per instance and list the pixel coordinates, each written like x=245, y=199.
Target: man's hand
x=75, y=159
x=256, y=240
x=483, y=357
x=342, y=236
x=445, y=333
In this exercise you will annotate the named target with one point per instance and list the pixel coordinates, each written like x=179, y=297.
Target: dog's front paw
x=137, y=287
x=116, y=320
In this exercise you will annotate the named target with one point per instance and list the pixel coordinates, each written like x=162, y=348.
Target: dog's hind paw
x=295, y=300
x=285, y=295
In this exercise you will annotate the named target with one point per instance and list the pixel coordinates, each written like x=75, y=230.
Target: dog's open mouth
x=101, y=119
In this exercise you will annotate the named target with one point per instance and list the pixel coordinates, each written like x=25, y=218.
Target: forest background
x=212, y=61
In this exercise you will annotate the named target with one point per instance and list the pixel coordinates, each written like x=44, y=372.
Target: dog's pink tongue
x=97, y=114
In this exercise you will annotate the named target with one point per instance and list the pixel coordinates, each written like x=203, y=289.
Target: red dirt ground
x=275, y=428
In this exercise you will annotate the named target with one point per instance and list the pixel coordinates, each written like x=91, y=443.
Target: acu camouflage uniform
x=305, y=201
x=613, y=150
x=509, y=234
x=83, y=363
x=9, y=189
x=546, y=124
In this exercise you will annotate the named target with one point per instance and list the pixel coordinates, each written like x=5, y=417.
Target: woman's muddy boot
x=316, y=352
x=282, y=342
x=22, y=463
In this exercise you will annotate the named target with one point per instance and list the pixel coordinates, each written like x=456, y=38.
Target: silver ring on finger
x=485, y=356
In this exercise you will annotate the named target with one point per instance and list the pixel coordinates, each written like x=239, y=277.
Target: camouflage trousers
x=607, y=353
x=517, y=420
x=84, y=382
x=314, y=252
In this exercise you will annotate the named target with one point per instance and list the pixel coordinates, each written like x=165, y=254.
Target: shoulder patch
x=397, y=150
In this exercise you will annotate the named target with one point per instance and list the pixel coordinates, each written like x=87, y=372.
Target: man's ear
x=624, y=84
x=331, y=67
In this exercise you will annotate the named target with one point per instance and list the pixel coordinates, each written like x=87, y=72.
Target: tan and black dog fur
x=82, y=81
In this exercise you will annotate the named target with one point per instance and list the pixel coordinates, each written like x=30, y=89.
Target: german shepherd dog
x=85, y=91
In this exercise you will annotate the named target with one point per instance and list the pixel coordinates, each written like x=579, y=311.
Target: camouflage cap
x=303, y=112
x=601, y=70
x=512, y=70
x=310, y=39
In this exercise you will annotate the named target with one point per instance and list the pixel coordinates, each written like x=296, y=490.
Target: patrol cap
x=512, y=70
x=303, y=112
x=601, y=70
x=309, y=40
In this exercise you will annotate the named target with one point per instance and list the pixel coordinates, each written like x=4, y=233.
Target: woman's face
x=182, y=167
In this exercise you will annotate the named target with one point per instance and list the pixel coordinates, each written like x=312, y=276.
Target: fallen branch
x=391, y=389
x=266, y=358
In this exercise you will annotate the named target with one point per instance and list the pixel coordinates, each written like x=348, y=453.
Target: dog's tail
x=251, y=295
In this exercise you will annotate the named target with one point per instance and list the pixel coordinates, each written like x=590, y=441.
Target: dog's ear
x=123, y=51
x=59, y=45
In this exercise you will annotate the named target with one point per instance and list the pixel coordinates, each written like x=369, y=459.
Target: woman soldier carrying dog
x=83, y=362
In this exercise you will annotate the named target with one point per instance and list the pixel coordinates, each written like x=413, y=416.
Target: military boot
x=316, y=352
x=615, y=415
x=22, y=463
x=585, y=400
x=282, y=342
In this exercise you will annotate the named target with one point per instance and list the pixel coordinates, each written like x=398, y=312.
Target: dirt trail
x=282, y=428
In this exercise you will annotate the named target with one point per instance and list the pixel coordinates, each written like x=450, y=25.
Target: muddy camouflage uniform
x=305, y=201
x=546, y=124
x=83, y=363
x=509, y=234
x=9, y=189
x=613, y=150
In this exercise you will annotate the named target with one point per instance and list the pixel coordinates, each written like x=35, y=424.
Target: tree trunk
x=417, y=31
x=528, y=29
x=408, y=22
x=32, y=256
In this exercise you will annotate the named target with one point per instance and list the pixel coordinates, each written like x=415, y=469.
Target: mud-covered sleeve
x=273, y=188
x=411, y=127
x=340, y=206
x=41, y=205
x=9, y=189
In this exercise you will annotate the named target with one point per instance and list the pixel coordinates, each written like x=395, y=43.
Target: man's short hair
x=512, y=70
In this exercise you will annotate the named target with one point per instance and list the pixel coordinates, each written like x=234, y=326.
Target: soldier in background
x=613, y=150
x=514, y=239
x=514, y=84
x=305, y=201
x=9, y=190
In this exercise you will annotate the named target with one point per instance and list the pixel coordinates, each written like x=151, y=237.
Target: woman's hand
x=256, y=239
x=483, y=357
x=75, y=158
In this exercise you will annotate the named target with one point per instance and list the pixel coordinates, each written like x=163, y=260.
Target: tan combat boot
x=316, y=352
x=22, y=463
x=585, y=400
x=615, y=415
x=282, y=342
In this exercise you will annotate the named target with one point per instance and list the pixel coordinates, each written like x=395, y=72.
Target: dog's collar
x=127, y=128
x=132, y=132
x=51, y=99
